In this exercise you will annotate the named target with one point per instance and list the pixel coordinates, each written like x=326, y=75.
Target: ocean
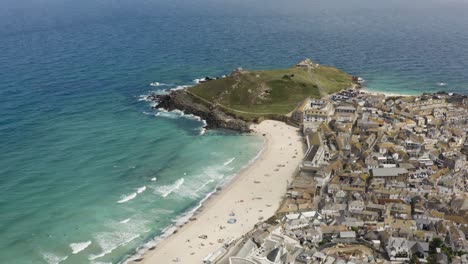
x=89, y=172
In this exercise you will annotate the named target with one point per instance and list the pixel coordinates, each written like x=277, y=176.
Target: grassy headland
x=254, y=94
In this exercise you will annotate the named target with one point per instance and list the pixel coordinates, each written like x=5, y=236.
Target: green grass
x=255, y=93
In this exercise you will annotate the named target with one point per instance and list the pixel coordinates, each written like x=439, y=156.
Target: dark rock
x=214, y=117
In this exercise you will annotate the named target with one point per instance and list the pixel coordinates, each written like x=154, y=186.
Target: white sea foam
x=194, y=117
x=174, y=114
x=109, y=241
x=170, y=115
x=202, y=131
x=229, y=161
x=78, y=247
x=156, y=84
x=198, y=80
x=125, y=221
x=52, y=258
x=203, y=186
x=147, y=97
x=179, y=112
x=141, y=189
x=127, y=198
x=165, y=190
x=203, y=127
x=195, y=187
x=144, y=97
x=166, y=232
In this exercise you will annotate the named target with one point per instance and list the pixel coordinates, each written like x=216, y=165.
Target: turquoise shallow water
x=114, y=178
x=76, y=139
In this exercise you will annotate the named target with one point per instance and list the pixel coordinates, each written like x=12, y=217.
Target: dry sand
x=254, y=194
x=387, y=94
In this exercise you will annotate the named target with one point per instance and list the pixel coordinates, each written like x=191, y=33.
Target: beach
x=387, y=94
x=251, y=197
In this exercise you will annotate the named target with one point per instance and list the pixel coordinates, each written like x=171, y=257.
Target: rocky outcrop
x=214, y=117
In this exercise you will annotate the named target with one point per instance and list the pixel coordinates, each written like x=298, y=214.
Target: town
x=384, y=180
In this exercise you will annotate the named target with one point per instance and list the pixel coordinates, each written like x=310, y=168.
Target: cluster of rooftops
x=384, y=180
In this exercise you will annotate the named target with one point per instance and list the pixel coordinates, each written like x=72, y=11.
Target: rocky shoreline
x=214, y=117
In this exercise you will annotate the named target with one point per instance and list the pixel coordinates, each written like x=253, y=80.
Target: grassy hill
x=257, y=93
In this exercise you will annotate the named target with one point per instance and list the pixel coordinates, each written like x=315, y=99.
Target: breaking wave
x=141, y=189
x=127, y=198
x=229, y=161
x=52, y=258
x=157, y=84
x=108, y=242
x=164, y=191
x=213, y=172
x=78, y=247
x=125, y=221
x=180, y=114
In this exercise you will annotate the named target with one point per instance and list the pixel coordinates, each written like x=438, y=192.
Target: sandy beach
x=387, y=94
x=254, y=194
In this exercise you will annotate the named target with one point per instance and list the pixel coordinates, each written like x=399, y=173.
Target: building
x=390, y=173
x=317, y=153
x=454, y=160
x=345, y=113
x=397, y=249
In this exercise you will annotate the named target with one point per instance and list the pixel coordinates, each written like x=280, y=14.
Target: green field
x=277, y=92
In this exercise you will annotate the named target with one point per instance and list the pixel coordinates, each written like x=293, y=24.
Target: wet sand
x=252, y=195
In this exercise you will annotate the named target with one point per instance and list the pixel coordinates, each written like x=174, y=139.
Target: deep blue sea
x=89, y=172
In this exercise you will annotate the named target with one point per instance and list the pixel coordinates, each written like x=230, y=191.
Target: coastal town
x=346, y=175
x=384, y=180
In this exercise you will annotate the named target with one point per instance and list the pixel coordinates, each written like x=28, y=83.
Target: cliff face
x=214, y=117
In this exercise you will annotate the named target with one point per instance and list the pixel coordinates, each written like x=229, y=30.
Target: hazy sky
x=19, y=15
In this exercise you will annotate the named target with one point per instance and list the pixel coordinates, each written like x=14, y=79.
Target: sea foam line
x=78, y=247
x=141, y=189
x=131, y=196
x=125, y=221
x=229, y=161
x=105, y=242
x=179, y=113
x=164, y=191
x=53, y=259
x=127, y=198
x=184, y=217
x=167, y=231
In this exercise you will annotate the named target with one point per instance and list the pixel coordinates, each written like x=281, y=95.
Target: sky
x=24, y=15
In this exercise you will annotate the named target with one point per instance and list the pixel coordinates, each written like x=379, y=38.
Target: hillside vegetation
x=255, y=93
